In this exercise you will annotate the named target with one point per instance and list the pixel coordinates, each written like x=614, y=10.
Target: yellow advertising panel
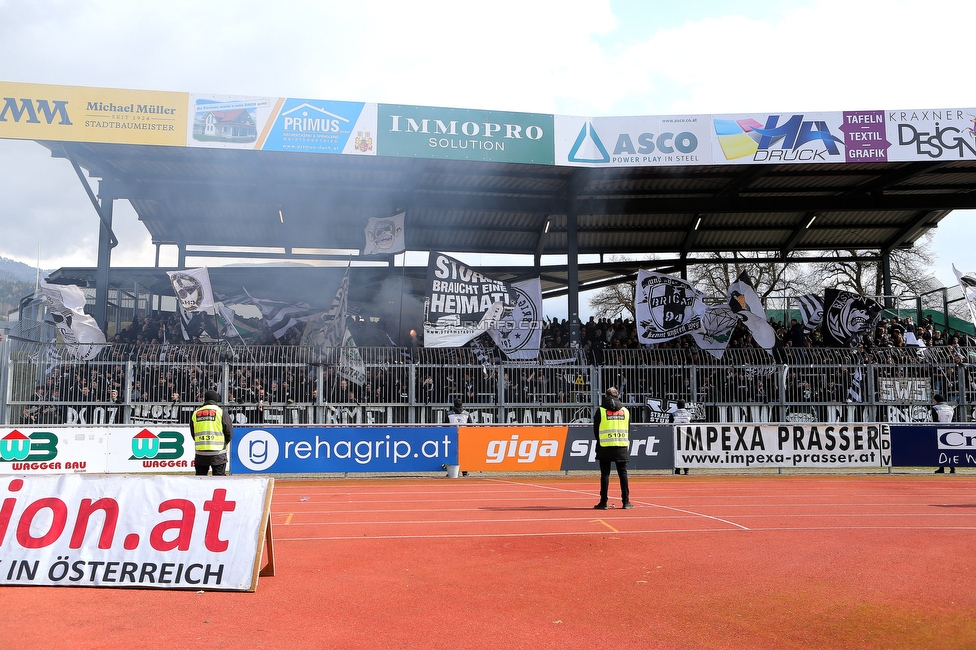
x=79, y=114
x=511, y=449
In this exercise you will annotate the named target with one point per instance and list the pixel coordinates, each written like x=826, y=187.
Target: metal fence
x=161, y=384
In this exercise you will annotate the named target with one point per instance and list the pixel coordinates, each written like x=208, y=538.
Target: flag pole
x=403, y=270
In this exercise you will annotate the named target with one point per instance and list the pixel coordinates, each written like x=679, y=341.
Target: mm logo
x=168, y=445
x=38, y=446
x=31, y=108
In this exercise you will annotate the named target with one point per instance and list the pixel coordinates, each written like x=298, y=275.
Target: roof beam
x=909, y=231
x=799, y=229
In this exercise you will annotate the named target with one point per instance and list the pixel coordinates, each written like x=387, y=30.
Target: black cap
x=457, y=403
x=211, y=396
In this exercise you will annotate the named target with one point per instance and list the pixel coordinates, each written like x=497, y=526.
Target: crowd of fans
x=168, y=368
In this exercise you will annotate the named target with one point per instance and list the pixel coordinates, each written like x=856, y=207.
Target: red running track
x=866, y=561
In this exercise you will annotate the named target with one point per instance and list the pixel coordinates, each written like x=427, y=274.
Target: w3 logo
x=38, y=446
x=168, y=445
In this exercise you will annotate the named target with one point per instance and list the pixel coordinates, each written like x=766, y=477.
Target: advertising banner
x=53, y=450
x=508, y=449
x=926, y=134
x=95, y=450
x=633, y=141
x=125, y=531
x=945, y=444
x=318, y=126
x=230, y=122
x=651, y=447
x=343, y=449
x=80, y=114
x=464, y=134
x=779, y=138
x=462, y=303
x=157, y=449
x=726, y=446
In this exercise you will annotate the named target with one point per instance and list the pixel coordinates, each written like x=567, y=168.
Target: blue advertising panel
x=651, y=447
x=319, y=126
x=306, y=450
x=928, y=445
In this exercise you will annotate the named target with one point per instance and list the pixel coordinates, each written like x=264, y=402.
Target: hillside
x=16, y=281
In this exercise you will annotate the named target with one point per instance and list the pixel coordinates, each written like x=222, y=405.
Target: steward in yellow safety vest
x=211, y=429
x=611, y=428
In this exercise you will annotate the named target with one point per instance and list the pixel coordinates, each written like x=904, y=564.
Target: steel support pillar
x=572, y=272
x=105, y=243
x=886, y=278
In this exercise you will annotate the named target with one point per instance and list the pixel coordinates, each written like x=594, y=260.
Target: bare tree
x=910, y=270
x=717, y=272
x=713, y=274
x=614, y=301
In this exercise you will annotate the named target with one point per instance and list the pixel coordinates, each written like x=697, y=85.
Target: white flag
x=745, y=302
x=967, y=282
x=666, y=307
x=518, y=333
x=225, y=321
x=192, y=288
x=66, y=304
x=384, y=235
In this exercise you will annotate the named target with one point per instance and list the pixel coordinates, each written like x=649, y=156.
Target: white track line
x=643, y=503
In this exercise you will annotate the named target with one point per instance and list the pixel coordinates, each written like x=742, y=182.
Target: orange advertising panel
x=511, y=449
x=79, y=114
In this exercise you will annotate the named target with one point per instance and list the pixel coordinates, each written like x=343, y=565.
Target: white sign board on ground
x=162, y=532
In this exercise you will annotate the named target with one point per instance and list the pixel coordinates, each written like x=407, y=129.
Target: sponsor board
x=157, y=450
x=343, y=449
x=316, y=126
x=632, y=141
x=230, y=122
x=935, y=444
x=95, y=450
x=783, y=445
x=464, y=134
x=507, y=449
x=80, y=114
x=160, y=532
x=931, y=134
x=651, y=447
x=778, y=138
x=52, y=450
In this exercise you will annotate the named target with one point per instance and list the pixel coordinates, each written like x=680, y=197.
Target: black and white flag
x=281, y=316
x=717, y=324
x=384, y=235
x=461, y=302
x=811, y=311
x=82, y=337
x=192, y=289
x=666, y=307
x=325, y=330
x=846, y=316
x=518, y=333
x=745, y=302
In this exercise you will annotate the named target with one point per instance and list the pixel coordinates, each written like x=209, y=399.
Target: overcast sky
x=570, y=57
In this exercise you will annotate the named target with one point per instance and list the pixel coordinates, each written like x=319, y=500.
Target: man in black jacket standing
x=611, y=427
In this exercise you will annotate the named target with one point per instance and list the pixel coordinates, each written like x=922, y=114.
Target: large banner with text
x=308, y=450
x=724, y=446
x=161, y=532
